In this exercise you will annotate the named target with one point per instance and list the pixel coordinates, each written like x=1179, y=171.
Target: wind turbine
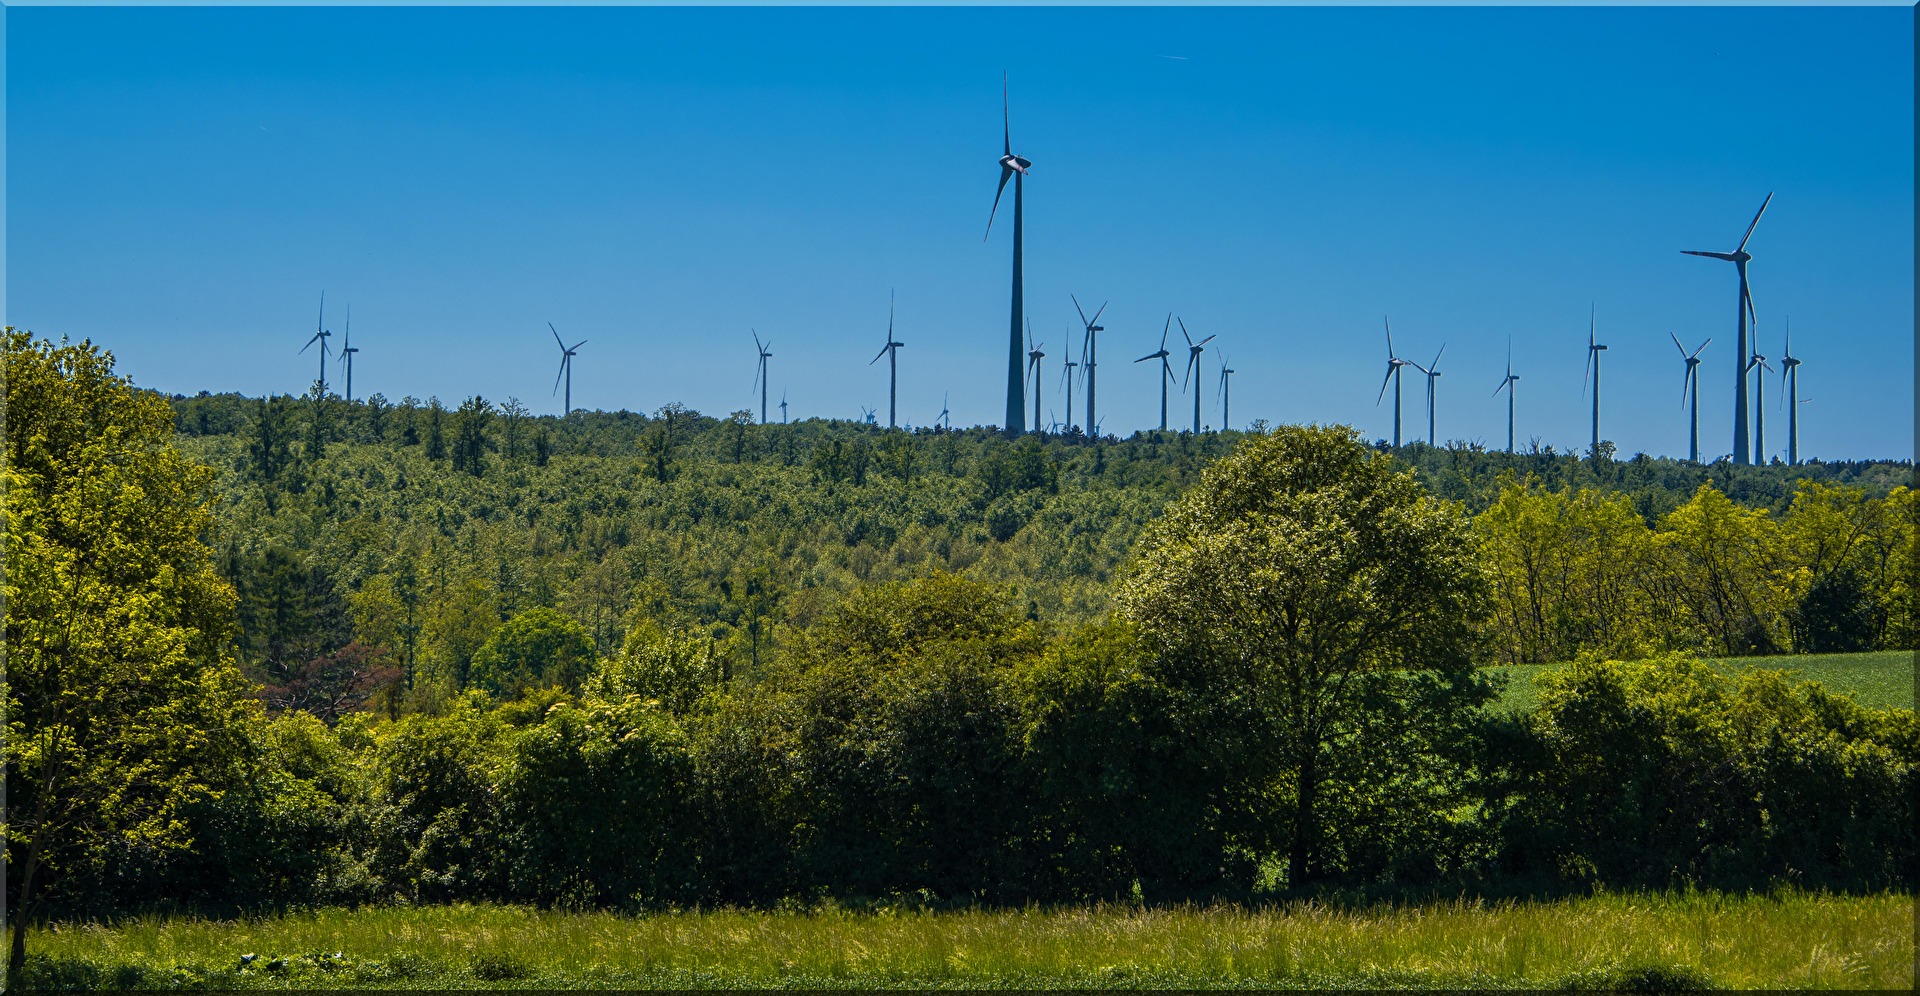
x=1089, y=354
x=1743, y=310
x=1593, y=367
x=1432, y=370
x=1226, y=393
x=760, y=375
x=1506, y=384
x=892, y=352
x=1034, y=356
x=1758, y=364
x=1015, y=168
x=566, y=368
x=783, y=407
x=945, y=418
x=1166, y=369
x=1690, y=389
x=1194, y=349
x=1790, y=384
x=1394, y=363
x=1066, y=379
x=347, y=351
x=320, y=335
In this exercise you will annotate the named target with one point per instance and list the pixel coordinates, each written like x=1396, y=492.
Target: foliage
x=537, y=648
x=122, y=706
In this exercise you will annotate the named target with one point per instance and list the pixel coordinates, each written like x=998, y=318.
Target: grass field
x=1882, y=679
x=1784, y=941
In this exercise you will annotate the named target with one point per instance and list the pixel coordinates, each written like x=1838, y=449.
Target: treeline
x=377, y=546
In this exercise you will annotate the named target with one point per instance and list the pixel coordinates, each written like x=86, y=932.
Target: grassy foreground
x=1783, y=941
x=1882, y=679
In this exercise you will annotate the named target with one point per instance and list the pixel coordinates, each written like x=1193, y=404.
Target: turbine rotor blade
x=1006, y=113
x=1005, y=172
x=1208, y=339
x=1082, y=311
x=1702, y=347
x=1676, y=343
x=1163, y=332
x=1183, y=331
x=556, y=336
x=1714, y=255
x=1383, y=386
x=1756, y=221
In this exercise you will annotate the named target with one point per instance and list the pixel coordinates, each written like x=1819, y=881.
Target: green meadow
x=1880, y=679
x=1660, y=940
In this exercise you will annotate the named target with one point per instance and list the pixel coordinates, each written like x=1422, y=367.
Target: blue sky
x=183, y=183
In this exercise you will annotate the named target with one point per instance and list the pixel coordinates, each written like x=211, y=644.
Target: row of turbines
x=1024, y=366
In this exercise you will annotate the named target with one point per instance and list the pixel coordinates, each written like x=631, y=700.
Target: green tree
x=1304, y=582
x=470, y=435
x=536, y=648
x=1731, y=570
x=122, y=707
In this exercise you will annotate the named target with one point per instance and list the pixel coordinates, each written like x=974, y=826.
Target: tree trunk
x=1300, y=861
x=17, y=956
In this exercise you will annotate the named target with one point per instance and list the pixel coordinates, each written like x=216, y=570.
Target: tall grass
x=1784, y=941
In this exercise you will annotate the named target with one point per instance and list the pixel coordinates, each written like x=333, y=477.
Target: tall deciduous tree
x=1304, y=594
x=122, y=706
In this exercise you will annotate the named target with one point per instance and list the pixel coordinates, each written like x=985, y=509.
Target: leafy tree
x=538, y=647
x=122, y=708
x=1731, y=571
x=436, y=436
x=470, y=435
x=1304, y=580
x=271, y=449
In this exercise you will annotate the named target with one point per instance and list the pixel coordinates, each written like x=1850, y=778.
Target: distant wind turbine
x=1432, y=370
x=566, y=368
x=1394, y=364
x=764, y=350
x=1506, y=384
x=1166, y=369
x=892, y=352
x=783, y=407
x=1013, y=168
x=945, y=418
x=1758, y=364
x=1194, y=349
x=320, y=335
x=1089, y=355
x=1690, y=395
x=1593, y=368
x=1743, y=310
x=1226, y=393
x=347, y=350
x=1034, y=356
x=1066, y=380
x=1790, y=384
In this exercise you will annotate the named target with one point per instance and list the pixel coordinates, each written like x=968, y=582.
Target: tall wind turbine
x=320, y=335
x=1194, y=349
x=892, y=352
x=945, y=418
x=1690, y=392
x=1506, y=384
x=1226, y=393
x=1166, y=369
x=1066, y=380
x=1790, y=385
x=1743, y=310
x=1432, y=370
x=760, y=374
x=1015, y=168
x=1089, y=355
x=566, y=368
x=1034, y=356
x=1593, y=368
x=783, y=407
x=347, y=351
x=1758, y=364
x=1394, y=363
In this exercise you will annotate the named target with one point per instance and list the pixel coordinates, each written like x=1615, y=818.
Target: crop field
x=1781, y=941
x=1881, y=679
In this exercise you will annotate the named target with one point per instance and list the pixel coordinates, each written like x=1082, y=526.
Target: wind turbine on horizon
x=1034, y=356
x=1394, y=363
x=1194, y=349
x=1166, y=369
x=1758, y=364
x=1790, y=383
x=1506, y=384
x=1226, y=393
x=566, y=368
x=945, y=418
x=1089, y=355
x=1593, y=367
x=1743, y=310
x=1015, y=168
x=783, y=407
x=892, y=352
x=1066, y=380
x=347, y=349
x=1690, y=390
x=1432, y=371
x=760, y=375
x=320, y=335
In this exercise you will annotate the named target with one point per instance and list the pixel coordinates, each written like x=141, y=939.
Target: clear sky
x=183, y=183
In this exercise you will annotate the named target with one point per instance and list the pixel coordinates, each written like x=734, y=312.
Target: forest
x=299, y=651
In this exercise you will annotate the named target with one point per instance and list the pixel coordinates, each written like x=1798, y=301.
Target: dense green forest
x=297, y=651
